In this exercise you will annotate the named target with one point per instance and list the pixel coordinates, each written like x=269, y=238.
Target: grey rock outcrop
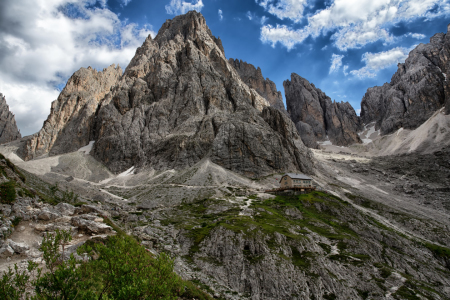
x=68, y=127
x=8, y=127
x=90, y=225
x=317, y=117
x=178, y=101
x=416, y=91
x=17, y=247
x=253, y=77
x=6, y=251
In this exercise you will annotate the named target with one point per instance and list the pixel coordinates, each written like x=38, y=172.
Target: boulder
x=18, y=247
x=89, y=226
x=46, y=215
x=6, y=251
x=65, y=209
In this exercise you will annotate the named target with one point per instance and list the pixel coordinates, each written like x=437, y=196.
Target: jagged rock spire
x=8, y=127
x=317, y=117
x=254, y=79
x=418, y=88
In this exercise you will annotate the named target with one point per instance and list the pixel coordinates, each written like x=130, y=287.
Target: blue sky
x=342, y=46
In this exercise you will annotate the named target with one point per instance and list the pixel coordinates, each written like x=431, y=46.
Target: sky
x=342, y=46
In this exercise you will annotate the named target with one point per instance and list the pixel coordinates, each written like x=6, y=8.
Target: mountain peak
x=8, y=127
x=179, y=101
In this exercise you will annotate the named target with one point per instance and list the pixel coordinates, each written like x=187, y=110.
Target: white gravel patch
x=380, y=190
x=87, y=149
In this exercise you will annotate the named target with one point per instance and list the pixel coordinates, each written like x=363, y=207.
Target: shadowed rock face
x=8, y=127
x=178, y=101
x=317, y=117
x=265, y=87
x=416, y=91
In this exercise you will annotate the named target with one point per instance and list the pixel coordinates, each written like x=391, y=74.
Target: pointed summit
x=178, y=102
x=8, y=126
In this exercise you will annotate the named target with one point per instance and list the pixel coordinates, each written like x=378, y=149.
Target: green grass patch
x=303, y=259
x=438, y=251
x=406, y=291
x=137, y=213
x=13, y=168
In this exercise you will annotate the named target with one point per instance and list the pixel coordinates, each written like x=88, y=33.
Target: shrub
x=128, y=271
x=7, y=192
x=115, y=268
x=16, y=221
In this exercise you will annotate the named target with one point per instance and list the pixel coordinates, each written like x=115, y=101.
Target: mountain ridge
x=417, y=90
x=177, y=102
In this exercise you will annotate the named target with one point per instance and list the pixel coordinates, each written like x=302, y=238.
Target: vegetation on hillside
x=114, y=268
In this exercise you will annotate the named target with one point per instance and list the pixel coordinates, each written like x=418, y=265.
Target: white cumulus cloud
x=381, y=60
x=285, y=9
x=283, y=35
x=355, y=23
x=43, y=42
x=418, y=36
x=220, y=15
x=336, y=62
x=124, y=2
x=264, y=20
x=179, y=7
x=344, y=70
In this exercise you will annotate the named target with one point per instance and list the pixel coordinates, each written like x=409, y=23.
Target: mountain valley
x=181, y=150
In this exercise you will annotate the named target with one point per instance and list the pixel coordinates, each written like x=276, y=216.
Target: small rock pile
x=44, y=218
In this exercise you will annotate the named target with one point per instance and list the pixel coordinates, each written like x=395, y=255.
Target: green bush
x=127, y=270
x=7, y=192
x=114, y=268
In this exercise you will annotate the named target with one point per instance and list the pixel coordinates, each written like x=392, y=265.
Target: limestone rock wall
x=416, y=91
x=317, y=117
x=8, y=127
x=68, y=126
x=179, y=101
x=254, y=79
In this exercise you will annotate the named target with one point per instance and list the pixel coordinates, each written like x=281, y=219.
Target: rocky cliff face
x=8, y=127
x=178, y=102
x=416, y=91
x=68, y=127
x=317, y=117
x=265, y=87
